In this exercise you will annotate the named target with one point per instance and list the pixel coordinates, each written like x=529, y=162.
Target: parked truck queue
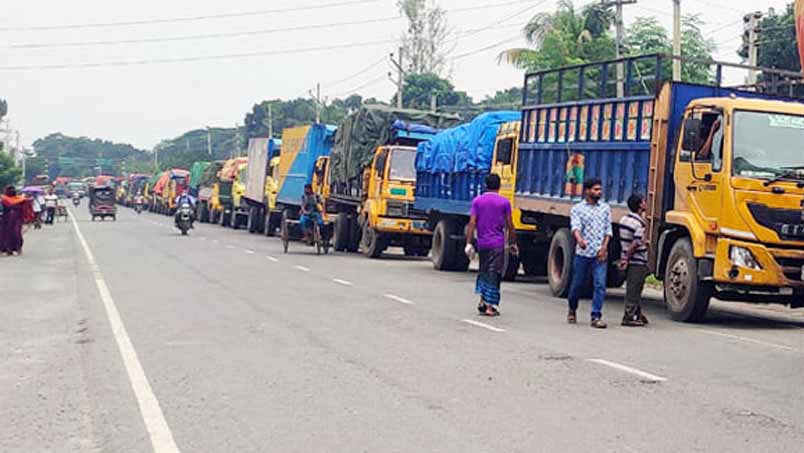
x=718, y=166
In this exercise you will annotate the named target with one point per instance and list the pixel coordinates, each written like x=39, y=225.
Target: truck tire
x=559, y=262
x=270, y=224
x=355, y=234
x=372, y=242
x=511, y=267
x=341, y=236
x=234, y=220
x=687, y=298
x=447, y=253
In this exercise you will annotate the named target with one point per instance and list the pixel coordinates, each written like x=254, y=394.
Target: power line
x=483, y=49
x=129, y=23
x=365, y=85
x=193, y=58
x=235, y=34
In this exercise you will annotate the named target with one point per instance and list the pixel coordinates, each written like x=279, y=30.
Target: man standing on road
x=634, y=260
x=590, y=221
x=51, y=202
x=490, y=217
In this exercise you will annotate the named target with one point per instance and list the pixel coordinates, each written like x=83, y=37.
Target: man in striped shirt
x=634, y=259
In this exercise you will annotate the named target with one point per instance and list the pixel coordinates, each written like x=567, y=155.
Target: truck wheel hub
x=679, y=276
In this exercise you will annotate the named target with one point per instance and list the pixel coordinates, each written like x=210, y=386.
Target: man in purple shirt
x=490, y=218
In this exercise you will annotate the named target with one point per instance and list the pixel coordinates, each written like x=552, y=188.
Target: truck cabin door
x=378, y=173
x=504, y=164
x=699, y=165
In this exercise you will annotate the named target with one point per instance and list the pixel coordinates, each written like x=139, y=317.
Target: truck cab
x=738, y=217
x=387, y=215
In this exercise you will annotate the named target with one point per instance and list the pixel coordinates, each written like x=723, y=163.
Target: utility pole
x=676, y=40
x=236, y=152
x=270, y=122
x=433, y=102
x=751, y=22
x=209, y=141
x=619, y=45
x=319, y=102
x=400, y=79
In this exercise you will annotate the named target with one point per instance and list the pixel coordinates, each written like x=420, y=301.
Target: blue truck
x=720, y=166
x=450, y=172
x=302, y=148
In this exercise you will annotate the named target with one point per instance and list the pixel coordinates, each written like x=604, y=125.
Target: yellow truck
x=721, y=167
x=220, y=201
x=371, y=179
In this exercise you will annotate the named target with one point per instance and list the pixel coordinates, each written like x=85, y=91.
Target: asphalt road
x=124, y=336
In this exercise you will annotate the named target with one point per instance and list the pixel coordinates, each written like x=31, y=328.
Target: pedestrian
x=16, y=209
x=590, y=221
x=634, y=259
x=51, y=202
x=490, y=218
x=36, y=204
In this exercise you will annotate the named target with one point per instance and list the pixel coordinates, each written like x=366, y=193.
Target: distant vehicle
x=74, y=187
x=102, y=203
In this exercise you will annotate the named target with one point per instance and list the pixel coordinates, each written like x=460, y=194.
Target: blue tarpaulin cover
x=466, y=147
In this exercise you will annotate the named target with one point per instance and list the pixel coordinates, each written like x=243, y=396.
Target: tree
x=3, y=108
x=509, y=98
x=646, y=36
x=563, y=38
x=425, y=41
x=420, y=87
x=80, y=156
x=9, y=172
x=777, y=41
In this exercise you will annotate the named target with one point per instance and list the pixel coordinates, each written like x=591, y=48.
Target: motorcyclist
x=311, y=208
x=185, y=197
x=76, y=198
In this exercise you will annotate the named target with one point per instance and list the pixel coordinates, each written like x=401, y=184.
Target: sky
x=282, y=51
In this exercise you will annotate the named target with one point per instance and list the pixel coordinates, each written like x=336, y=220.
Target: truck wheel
x=447, y=253
x=341, y=239
x=511, y=267
x=234, y=220
x=355, y=234
x=559, y=263
x=687, y=297
x=373, y=243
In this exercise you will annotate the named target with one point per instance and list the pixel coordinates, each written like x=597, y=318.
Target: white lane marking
x=203, y=238
x=483, y=325
x=342, y=282
x=747, y=340
x=158, y=429
x=401, y=300
x=302, y=268
x=215, y=241
x=229, y=246
x=272, y=259
x=645, y=375
x=250, y=252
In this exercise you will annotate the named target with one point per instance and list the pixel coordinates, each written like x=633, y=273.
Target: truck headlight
x=742, y=257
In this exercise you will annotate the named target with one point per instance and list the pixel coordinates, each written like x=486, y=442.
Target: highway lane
x=250, y=349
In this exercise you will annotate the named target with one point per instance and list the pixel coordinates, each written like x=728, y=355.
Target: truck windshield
x=403, y=164
x=768, y=145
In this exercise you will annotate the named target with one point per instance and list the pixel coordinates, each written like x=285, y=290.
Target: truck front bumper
x=779, y=278
x=402, y=226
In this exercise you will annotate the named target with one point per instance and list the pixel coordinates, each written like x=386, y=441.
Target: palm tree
x=563, y=37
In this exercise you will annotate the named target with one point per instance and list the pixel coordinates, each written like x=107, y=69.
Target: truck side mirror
x=692, y=135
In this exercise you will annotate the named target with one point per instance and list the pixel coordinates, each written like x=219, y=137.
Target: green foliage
x=420, y=87
x=777, y=42
x=510, y=98
x=565, y=37
x=184, y=150
x=295, y=112
x=646, y=35
x=9, y=172
x=61, y=155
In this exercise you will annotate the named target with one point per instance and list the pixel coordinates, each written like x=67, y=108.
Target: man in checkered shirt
x=590, y=221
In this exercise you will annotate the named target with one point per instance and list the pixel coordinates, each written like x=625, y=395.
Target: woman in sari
x=16, y=210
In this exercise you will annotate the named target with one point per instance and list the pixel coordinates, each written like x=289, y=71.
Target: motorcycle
x=184, y=218
x=76, y=201
x=138, y=208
